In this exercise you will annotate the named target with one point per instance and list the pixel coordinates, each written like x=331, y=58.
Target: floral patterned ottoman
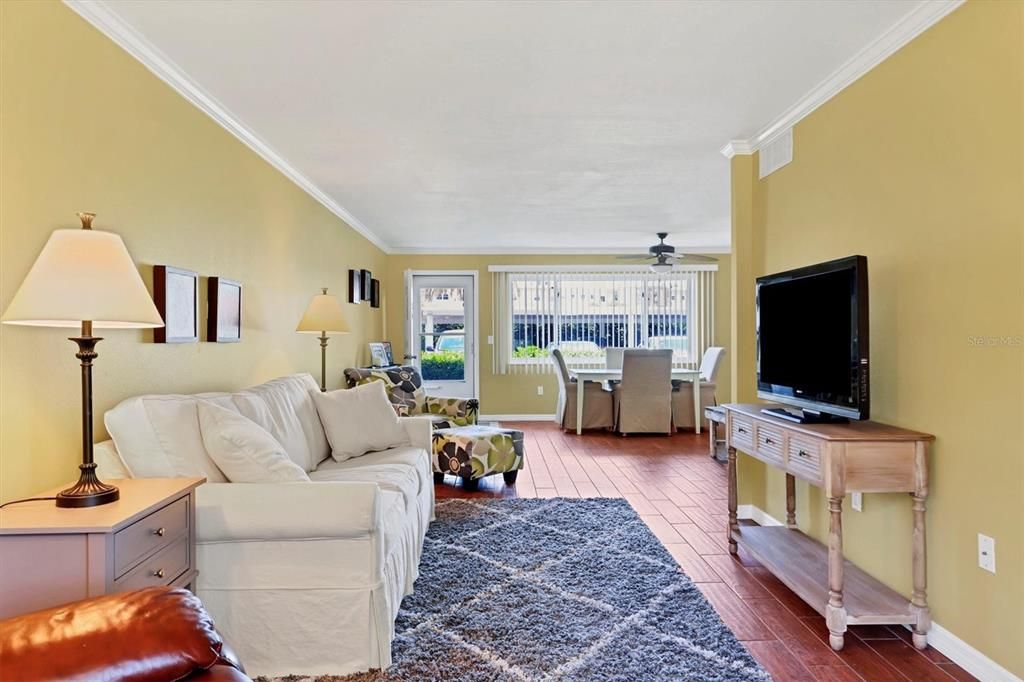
x=472, y=452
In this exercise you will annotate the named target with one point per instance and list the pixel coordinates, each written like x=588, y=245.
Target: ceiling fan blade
x=636, y=256
x=696, y=258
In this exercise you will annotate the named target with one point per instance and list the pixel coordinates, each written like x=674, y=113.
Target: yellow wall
x=919, y=166
x=86, y=127
x=517, y=393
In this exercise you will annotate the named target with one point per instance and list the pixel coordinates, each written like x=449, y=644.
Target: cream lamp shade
x=323, y=316
x=83, y=275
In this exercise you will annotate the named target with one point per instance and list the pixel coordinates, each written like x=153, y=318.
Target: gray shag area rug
x=554, y=589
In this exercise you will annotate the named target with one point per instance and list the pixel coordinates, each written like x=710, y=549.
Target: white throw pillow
x=359, y=420
x=243, y=449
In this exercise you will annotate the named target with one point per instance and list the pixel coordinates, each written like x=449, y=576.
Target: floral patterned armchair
x=404, y=387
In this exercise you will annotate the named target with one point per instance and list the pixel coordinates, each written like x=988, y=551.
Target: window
x=583, y=311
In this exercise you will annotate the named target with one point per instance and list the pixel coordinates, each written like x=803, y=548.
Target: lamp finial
x=86, y=218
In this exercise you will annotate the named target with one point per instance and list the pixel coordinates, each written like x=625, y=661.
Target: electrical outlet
x=987, y=553
x=540, y=390
x=857, y=501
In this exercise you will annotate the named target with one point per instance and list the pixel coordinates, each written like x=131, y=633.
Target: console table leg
x=835, y=612
x=733, y=523
x=790, y=501
x=919, y=600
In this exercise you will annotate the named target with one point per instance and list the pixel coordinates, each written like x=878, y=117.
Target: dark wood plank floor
x=680, y=493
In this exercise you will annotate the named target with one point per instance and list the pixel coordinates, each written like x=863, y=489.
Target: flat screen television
x=812, y=341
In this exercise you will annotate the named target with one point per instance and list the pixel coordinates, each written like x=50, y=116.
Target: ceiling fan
x=664, y=256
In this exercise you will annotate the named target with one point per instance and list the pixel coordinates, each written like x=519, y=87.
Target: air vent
x=776, y=153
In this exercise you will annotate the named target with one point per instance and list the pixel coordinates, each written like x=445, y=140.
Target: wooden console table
x=860, y=457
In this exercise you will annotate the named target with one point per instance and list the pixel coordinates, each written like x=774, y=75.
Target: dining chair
x=613, y=357
x=682, y=390
x=597, y=402
x=643, y=399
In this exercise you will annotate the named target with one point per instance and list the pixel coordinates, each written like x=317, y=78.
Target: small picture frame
x=176, y=294
x=374, y=293
x=224, y=310
x=367, y=278
x=380, y=354
x=355, y=286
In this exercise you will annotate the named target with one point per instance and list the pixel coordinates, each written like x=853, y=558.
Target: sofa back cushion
x=159, y=436
x=285, y=408
x=404, y=386
x=244, y=450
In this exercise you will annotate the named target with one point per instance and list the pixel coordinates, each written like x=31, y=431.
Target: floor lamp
x=84, y=279
x=323, y=316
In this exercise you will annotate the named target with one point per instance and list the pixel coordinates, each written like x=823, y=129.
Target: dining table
x=609, y=374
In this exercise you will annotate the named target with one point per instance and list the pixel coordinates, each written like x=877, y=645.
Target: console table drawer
x=160, y=569
x=769, y=443
x=803, y=457
x=149, y=534
x=742, y=432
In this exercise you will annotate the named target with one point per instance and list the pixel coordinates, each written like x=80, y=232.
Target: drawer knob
x=160, y=531
x=158, y=573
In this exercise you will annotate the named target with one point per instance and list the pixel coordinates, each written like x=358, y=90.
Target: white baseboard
x=958, y=651
x=758, y=515
x=967, y=657
x=516, y=417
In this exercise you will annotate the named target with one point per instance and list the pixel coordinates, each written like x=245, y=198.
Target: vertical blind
x=582, y=311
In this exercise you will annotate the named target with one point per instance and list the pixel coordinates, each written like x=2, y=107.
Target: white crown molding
x=913, y=24
x=540, y=251
x=107, y=22
x=734, y=147
x=959, y=651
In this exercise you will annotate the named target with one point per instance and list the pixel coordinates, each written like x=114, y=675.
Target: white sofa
x=301, y=578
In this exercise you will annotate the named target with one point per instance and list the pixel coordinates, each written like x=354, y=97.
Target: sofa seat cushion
x=398, y=477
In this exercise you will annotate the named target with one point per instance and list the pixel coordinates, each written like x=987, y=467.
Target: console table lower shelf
x=801, y=563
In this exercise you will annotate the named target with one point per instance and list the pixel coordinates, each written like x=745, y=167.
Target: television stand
x=805, y=416
x=861, y=456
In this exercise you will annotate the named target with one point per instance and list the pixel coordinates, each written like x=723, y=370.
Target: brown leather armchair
x=152, y=635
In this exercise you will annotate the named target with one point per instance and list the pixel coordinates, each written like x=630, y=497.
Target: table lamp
x=84, y=278
x=323, y=316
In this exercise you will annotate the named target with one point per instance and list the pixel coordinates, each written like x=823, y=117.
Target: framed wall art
x=367, y=278
x=374, y=293
x=355, y=286
x=224, y=315
x=176, y=294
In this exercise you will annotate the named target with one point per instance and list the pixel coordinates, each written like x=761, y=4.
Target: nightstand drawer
x=160, y=569
x=149, y=534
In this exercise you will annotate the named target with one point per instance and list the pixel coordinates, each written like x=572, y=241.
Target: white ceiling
x=511, y=126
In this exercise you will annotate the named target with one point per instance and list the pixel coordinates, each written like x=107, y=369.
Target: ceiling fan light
x=661, y=267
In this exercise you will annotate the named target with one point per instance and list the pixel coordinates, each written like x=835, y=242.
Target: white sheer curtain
x=583, y=310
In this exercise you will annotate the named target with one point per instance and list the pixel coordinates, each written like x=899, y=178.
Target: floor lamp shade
x=84, y=279
x=83, y=275
x=323, y=316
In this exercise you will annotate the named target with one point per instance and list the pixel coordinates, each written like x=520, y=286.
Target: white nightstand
x=51, y=556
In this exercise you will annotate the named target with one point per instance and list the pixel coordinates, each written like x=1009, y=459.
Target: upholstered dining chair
x=682, y=390
x=613, y=357
x=597, y=402
x=643, y=399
